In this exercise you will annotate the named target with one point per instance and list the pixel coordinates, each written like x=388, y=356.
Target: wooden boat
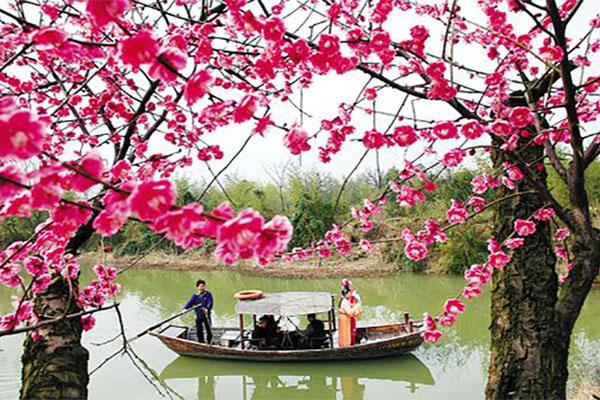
x=236, y=344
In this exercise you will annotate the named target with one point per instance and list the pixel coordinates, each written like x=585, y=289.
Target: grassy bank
x=332, y=268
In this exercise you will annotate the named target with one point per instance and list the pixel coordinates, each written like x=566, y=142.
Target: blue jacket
x=205, y=300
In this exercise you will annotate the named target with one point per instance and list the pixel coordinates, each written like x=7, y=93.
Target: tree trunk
x=56, y=366
x=528, y=357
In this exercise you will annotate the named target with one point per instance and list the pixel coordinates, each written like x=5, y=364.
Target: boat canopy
x=287, y=304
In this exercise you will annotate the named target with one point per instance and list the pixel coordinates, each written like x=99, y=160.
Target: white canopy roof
x=287, y=304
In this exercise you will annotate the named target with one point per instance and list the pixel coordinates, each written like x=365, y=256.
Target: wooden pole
x=145, y=331
x=333, y=312
x=242, y=331
x=330, y=320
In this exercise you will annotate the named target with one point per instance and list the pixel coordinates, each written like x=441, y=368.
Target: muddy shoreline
x=302, y=270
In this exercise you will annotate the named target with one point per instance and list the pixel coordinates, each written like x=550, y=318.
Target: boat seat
x=230, y=338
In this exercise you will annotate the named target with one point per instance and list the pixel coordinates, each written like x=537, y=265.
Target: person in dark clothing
x=260, y=334
x=204, y=299
x=314, y=334
x=266, y=333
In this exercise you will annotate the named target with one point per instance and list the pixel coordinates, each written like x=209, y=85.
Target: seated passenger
x=274, y=331
x=313, y=337
x=260, y=334
x=266, y=333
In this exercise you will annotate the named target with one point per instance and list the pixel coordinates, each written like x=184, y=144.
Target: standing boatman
x=204, y=299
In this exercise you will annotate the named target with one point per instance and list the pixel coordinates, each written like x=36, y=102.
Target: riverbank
x=334, y=268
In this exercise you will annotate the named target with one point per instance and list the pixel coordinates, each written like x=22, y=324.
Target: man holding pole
x=204, y=301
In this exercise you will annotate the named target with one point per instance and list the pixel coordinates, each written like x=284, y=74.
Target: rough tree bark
x=56, y=367
x=528, y=353
x=532, y=318
x=528, y=357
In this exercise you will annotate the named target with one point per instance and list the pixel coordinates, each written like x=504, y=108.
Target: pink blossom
x=429, y=322
x=447, y=320
x=524, y=227
x=415, y=250
x=520, y=117
x=296, y=140
x=19, y=206
x=151, y=199
x=9, y=275
x=508, y=183
x=41, y=283
x=446, y=130
x=237, y=237
x=431, y=336
x=501, y=128
x=514, y=243
x=498, y=259
x=407, y=196
x=46, y=193
x=166, y=65
x=323, y=249
x=197, y=86
x=493, y=245
x=453, y=158
x=245, y=109
x=343, y=245
x=49, y=38
x=478, y=275
x=7, y=189
x=181, y=225
x=87, y=322
x=274, y=237
x=35, y=265
x=22, y=135
x=373, y=139
x=223, y=211
x=366, y=246
x=92, y=165
x=404, y=135
x=476, y=202
x=471, y=292
x=561, y=234
x=456, y=214
x=513, y=172
x=69, y=217
x=431, y=233
x=273, y=29
x=544, y=214
x=561, y=252
x=481, y=183
x=454, y=306
x=120, y=170
x=472, y=130
x=139, y=49
x=103, y=12
x=551, y=54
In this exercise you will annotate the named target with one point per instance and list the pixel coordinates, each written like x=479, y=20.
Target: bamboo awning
x=287, y=304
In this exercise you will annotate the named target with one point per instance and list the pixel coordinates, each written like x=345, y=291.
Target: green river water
x=455, y=368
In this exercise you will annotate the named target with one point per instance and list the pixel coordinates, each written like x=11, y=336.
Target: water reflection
x=345, y=381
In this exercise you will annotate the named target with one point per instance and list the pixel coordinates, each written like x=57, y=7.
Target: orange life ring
x=248, y=295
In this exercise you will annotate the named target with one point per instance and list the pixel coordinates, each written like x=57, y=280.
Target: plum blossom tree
x=107, y=99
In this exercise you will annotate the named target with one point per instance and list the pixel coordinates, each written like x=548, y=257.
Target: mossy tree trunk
x=56, y=367
x=532, y=317
x=528, y=354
